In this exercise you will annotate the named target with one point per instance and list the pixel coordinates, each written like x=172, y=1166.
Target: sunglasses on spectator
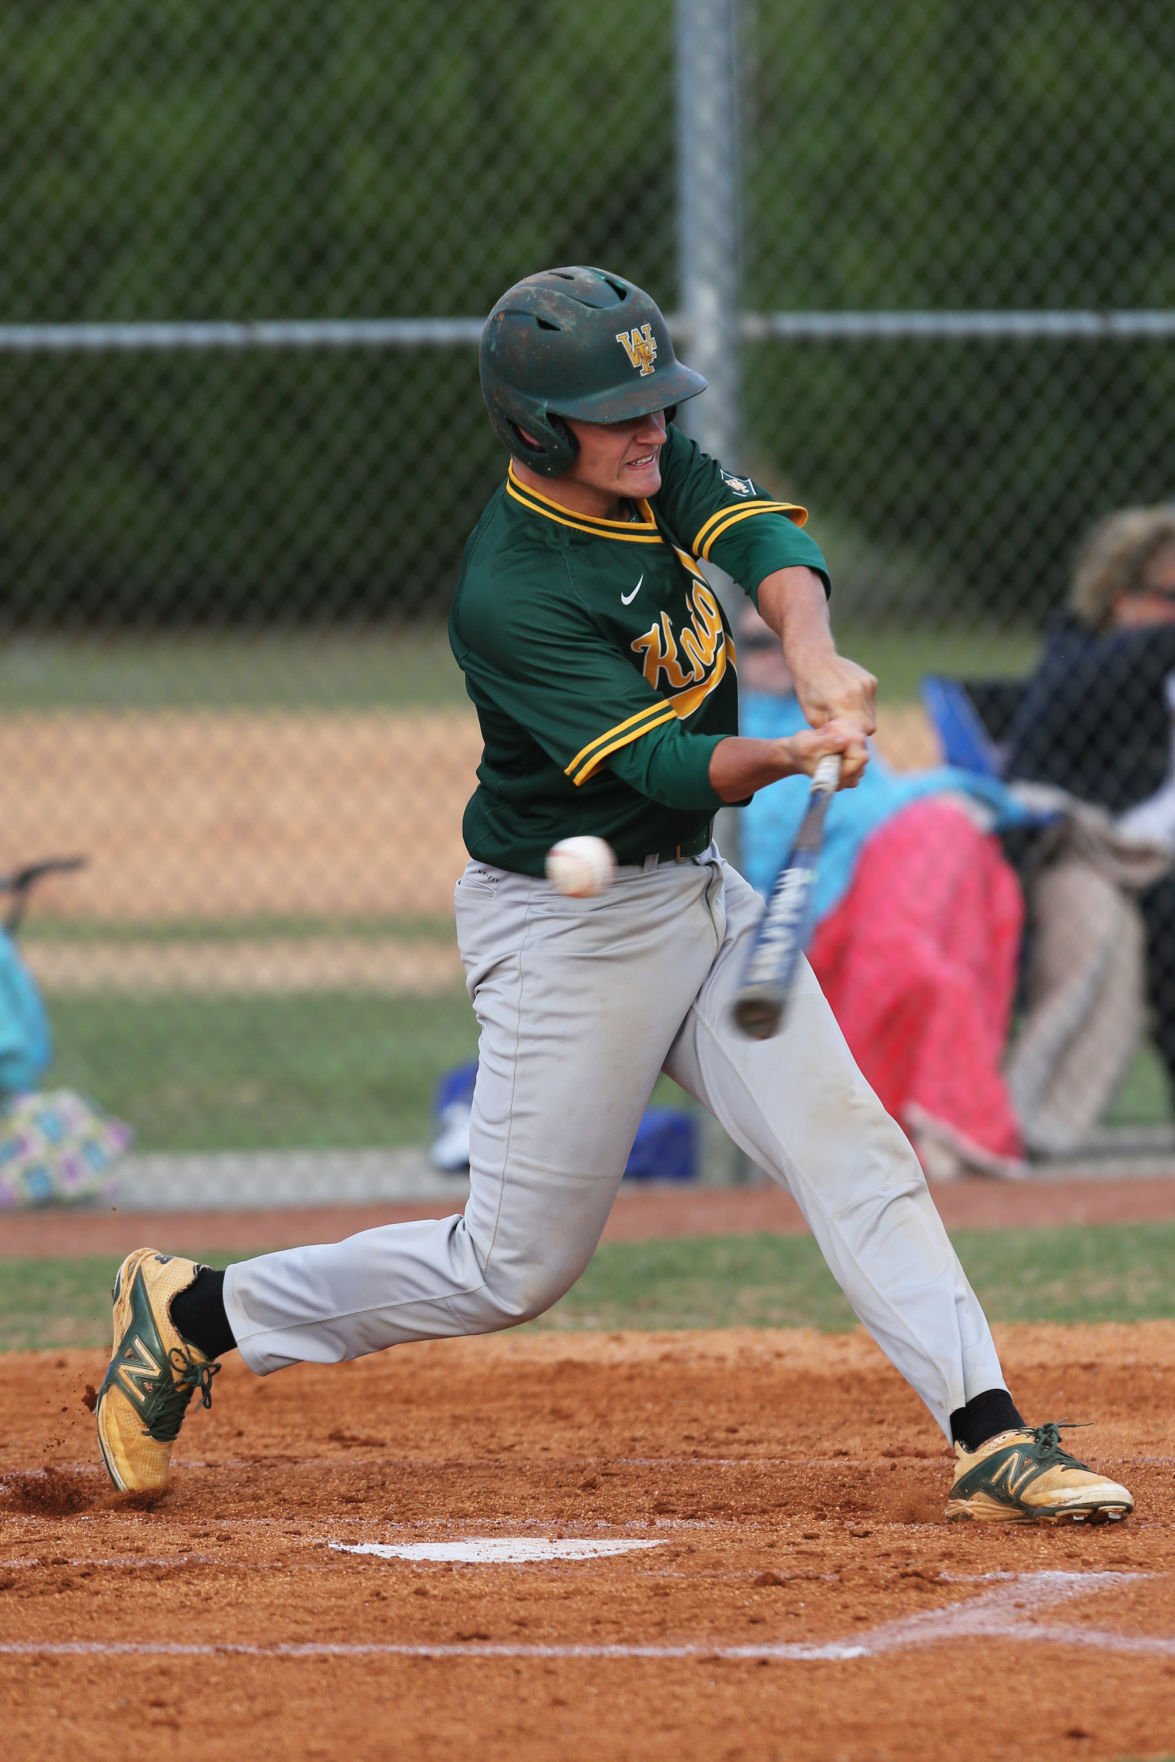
x=758, y=642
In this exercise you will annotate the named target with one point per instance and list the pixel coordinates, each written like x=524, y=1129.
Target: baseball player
x=603, y=672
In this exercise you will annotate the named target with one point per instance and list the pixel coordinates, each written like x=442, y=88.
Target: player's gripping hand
x=803, y=751
x=830, y=688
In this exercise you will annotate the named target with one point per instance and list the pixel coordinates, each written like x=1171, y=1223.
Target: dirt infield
x=782, y=1584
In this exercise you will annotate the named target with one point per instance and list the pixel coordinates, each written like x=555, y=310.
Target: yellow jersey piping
x=589, y=770
x=725, y=518
x=645, y=532
x=630, y=722
x=588, y=760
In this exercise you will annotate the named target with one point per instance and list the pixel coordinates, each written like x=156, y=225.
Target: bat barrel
x=779, y=942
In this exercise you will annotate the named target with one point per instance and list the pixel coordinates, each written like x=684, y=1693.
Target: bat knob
x=757, y=1017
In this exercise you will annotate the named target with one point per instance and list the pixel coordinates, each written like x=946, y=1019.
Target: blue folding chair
x=966, y=739
x=973, y=719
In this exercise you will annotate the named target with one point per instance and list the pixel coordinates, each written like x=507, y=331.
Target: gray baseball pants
x=581, y=1004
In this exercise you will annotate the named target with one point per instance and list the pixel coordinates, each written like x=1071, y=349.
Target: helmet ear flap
x=536, y=436
x=568, y=444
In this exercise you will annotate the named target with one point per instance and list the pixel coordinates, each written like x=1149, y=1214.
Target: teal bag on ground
x=26, y=1044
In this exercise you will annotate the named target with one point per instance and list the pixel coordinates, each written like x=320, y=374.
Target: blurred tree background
x=282, y=161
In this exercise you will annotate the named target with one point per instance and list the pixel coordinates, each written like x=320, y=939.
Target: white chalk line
x=500, y=1550
x=1003, y=1613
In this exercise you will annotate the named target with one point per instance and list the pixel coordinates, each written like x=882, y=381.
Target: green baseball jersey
x=599, y=660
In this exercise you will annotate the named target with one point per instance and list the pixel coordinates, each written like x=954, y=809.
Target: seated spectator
x=918, y=929
x=1095, y=727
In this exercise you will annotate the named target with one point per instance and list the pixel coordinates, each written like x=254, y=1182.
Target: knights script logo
x=640, y=345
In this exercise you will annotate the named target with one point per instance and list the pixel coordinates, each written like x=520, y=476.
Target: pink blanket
x=919, y=964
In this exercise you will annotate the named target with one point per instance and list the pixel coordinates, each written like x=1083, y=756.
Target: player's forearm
x=828, y=685
x=739, y=766
x=794, y=603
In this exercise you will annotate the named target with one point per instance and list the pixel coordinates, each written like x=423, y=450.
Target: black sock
x=985, y=1415
x=198, y=1312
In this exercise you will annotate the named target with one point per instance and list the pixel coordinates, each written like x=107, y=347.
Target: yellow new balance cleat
x=153, y=1374
x=1026, y=1477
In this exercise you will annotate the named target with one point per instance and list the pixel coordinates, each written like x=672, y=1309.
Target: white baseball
x=581, y=867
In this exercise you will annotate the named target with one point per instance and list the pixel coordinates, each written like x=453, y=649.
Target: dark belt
x=678, y=853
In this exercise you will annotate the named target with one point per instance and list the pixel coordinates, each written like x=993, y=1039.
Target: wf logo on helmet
x=640, y=345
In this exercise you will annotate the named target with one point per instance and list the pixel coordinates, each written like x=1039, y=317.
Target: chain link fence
x=922, y=252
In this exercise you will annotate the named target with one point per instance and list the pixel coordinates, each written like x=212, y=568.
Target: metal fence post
x=709, y=242
x=709, y=247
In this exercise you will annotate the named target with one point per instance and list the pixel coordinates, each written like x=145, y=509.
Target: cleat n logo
x=139, y=1370
x=1013, y=1473
x=640, y=345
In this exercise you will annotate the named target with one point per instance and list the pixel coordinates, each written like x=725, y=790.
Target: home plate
x=495, y=1550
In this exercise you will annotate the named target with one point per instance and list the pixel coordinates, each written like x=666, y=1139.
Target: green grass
x=1144, y=1098
x=1113, y=1273
x=301, y=1071
x=304, y=1071
x=1110, y=1273
x=391, y=669
x=434, y=929
x=899, y=656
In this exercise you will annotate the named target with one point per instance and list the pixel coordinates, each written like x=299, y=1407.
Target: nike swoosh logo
x=626, y=599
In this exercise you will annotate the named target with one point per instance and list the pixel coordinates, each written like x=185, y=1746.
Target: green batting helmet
x=575, y=342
